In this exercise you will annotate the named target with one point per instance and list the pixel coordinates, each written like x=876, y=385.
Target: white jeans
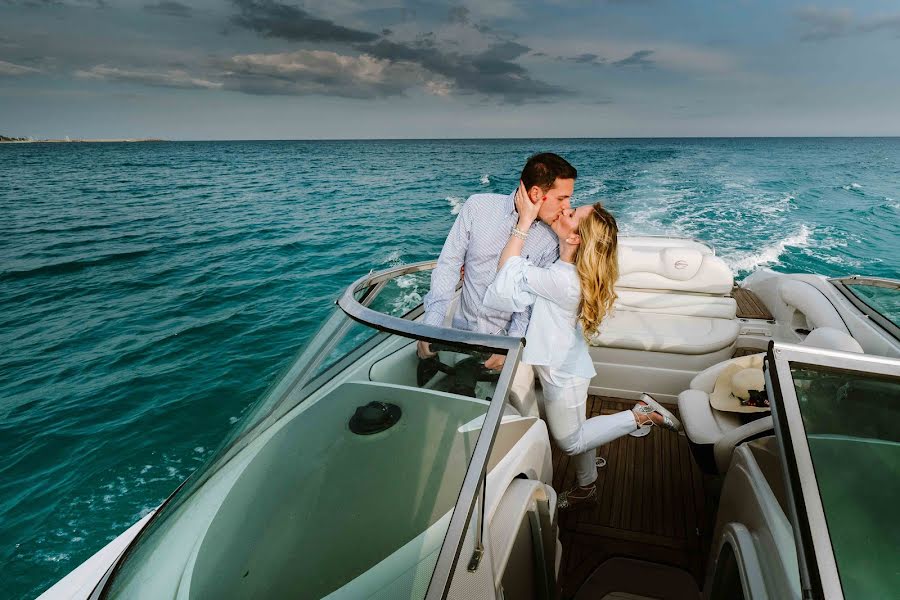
x=565, y=403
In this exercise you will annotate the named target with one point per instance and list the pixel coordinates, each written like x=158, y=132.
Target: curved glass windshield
x=343, y=479
x=878, y=298
x=857, y=467
x=884, y=299
x=836, y=417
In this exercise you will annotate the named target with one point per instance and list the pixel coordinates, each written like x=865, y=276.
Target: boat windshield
x=346, y=477
x=878, y=298
x=840, y=422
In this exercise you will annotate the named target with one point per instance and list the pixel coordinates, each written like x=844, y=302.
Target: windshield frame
x=819, y=575
x=420, y=331
x=357, y=310
x=867, y=309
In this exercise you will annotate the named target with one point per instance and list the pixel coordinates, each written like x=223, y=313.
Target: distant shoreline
x=81, y=141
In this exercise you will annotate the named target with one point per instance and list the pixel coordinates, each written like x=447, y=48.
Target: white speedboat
x=365, y=473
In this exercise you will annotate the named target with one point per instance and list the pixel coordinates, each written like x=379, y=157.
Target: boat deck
x=652, y=506
x=749, y=306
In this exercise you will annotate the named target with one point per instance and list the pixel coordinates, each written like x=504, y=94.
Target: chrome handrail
x=413, y=329
x=474, y=487
x=882, y=282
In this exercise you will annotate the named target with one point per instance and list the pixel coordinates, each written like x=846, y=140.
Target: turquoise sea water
x=150, y=292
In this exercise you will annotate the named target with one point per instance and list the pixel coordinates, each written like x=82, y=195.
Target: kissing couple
x=537, y=268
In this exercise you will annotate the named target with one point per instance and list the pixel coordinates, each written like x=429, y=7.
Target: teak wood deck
x=749, y=306
x=652, y=506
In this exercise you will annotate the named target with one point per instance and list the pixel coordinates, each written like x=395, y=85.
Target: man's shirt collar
x=510, y=205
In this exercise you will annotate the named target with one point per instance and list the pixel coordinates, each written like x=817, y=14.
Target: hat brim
x=722, y=398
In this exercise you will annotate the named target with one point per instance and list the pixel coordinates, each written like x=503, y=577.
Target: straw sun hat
x=736, y=382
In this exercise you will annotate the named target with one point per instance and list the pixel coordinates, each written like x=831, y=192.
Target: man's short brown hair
x=545, y=168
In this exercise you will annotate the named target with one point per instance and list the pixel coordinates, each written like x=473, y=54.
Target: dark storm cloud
x=584, y=59
x=276, y=20
x=491, y=72
x=505, y=51
x=169, y=8
x=640, y=59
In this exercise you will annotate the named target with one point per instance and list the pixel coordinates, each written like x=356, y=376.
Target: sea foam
x=772, y=253
x=456, y=204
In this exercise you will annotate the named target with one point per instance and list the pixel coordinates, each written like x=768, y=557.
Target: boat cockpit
x=363, y=472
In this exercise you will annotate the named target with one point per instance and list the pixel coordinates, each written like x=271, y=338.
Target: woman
x=570, y=298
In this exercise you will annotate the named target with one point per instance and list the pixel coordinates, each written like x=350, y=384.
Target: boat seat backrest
x=815, y=310
x=674, y=280
x=673, y=269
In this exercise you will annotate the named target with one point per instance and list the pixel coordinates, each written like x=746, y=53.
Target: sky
x=314, y=69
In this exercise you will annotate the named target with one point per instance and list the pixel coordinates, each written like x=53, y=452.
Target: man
x=476, y=240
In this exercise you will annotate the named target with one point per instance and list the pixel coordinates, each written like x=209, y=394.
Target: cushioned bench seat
x=656, y=332
x=673, y=318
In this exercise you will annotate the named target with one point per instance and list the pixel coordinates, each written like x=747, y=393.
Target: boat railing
x=358, y=310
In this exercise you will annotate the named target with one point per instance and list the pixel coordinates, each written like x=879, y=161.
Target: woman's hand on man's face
x=528, y=210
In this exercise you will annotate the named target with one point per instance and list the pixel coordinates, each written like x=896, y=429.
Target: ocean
x=150, y=292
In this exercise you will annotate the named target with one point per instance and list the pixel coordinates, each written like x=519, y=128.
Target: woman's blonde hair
x=597, y=263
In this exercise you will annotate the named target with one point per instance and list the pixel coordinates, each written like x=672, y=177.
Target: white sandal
x=565, y=502
x=670, y=421
x=645, y=427
x=650, y=405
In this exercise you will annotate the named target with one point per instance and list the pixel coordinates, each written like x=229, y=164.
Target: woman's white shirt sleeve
x=509, y=291
x=519, y=283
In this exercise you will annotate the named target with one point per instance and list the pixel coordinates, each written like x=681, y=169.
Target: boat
x=364, y=472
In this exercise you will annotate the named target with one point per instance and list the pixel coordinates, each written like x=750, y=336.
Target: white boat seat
x=689, y=305
x=670, y=299
x=672, y=318
x=706, y=428
x=659, y=332
x=683, y=269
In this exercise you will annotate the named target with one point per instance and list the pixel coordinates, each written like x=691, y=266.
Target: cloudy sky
x=281, y=69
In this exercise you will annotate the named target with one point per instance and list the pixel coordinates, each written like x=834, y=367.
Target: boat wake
x=770, y=254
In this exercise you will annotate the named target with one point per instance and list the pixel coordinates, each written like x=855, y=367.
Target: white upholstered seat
x=672, y=319
x=671, y=299
x=660, y=332
x=714, y=434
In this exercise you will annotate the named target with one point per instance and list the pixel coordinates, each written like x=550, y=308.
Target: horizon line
x=149, y=139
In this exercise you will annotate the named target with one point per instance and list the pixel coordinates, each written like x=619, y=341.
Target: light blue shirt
x=554, y=337
x=476, y=240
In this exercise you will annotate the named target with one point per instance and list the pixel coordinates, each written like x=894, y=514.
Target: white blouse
x=554, y=336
